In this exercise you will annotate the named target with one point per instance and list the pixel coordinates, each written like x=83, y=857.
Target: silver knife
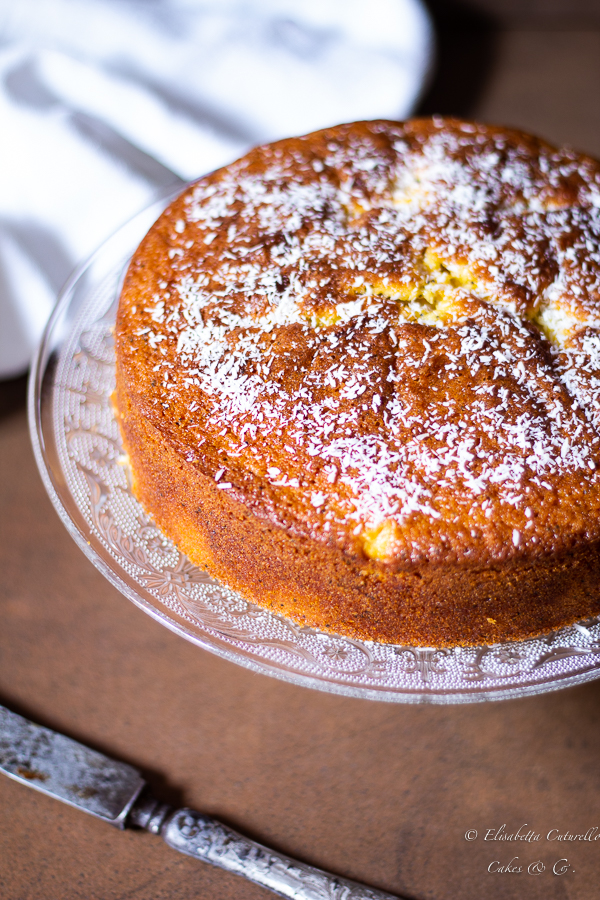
x=116, y=792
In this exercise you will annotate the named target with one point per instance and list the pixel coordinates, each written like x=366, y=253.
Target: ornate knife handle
x=207, y=839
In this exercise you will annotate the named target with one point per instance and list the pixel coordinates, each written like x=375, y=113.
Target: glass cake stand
x=78, y=450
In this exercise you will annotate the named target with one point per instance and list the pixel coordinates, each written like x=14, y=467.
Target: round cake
x=358, y=380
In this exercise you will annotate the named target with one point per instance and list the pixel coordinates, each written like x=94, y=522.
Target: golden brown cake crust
x=357, y=378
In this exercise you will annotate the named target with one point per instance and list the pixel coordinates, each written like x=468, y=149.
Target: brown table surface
x=383, y=793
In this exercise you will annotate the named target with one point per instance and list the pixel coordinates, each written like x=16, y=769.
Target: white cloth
x=103, y=103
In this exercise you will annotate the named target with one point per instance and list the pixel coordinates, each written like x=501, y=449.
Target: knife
x=116, y=792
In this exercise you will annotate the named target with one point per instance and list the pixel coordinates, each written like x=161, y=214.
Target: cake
x=358, y=380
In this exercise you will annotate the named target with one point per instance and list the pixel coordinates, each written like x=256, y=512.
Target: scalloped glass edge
x=76, y=445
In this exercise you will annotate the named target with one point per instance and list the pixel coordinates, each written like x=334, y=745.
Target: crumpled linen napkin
x=105, y=103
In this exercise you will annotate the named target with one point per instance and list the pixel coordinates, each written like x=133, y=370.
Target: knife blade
x=62, y=768
x=116, y=792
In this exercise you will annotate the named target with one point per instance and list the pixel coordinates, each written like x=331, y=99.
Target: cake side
x=320, y=586
x=380, y=341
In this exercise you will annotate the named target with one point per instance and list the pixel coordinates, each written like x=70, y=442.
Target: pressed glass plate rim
x=93, y=549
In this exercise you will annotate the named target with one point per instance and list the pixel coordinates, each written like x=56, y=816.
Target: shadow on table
x=466, y=50
x=13, y=395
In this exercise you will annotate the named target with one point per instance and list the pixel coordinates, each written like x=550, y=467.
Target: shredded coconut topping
x=388, y=336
